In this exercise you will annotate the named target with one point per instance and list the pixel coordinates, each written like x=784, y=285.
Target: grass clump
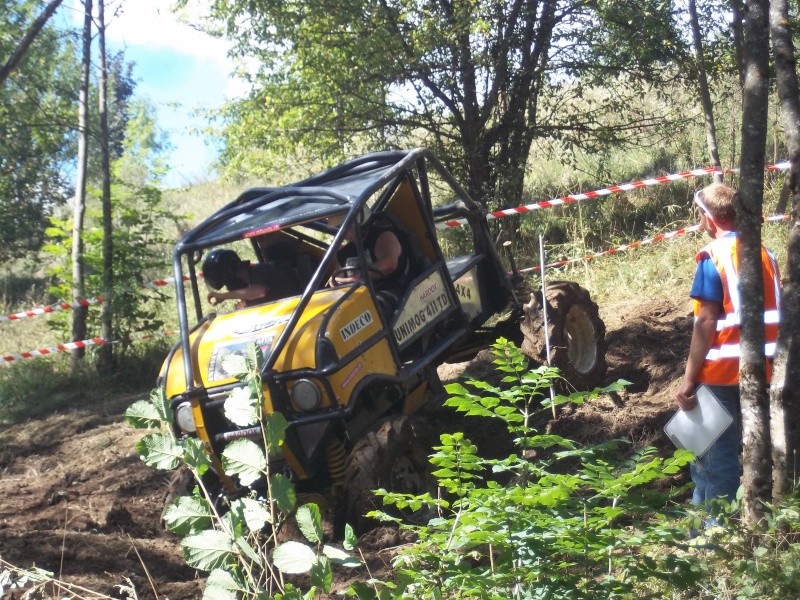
x=39, y=386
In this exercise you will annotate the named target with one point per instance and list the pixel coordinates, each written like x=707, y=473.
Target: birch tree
x=785, y=389
x=752, y=370
x=79, y=207
x=106, y=351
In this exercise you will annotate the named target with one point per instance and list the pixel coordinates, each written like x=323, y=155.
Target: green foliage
x=637, y=36
x=576, y=522
x=38, y=121
x=554, y=520
x=236, y=542
x=36, y=138
x=122, y=108
x=140, y=239
x=477, y=82
x=140, y=161
x=755, y=563
x=139, y=249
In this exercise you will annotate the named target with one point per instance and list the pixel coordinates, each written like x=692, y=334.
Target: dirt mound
x=77, y=500
x=647, y=347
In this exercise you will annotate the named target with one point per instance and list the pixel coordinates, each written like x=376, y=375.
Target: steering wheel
x=348, y=272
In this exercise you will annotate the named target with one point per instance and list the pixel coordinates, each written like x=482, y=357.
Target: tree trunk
x=705, y=93
x=752, y=371
x=106, y=358
x=786, y=72
x=783, y=393
x=79, y=208
x=496, y=149
x=785, y=389
x=737, y=8
x=23, y=46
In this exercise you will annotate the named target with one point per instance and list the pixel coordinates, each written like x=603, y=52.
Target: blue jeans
x=717, y=474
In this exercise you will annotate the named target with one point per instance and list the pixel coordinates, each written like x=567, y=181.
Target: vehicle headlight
x=305, y=395
x=184, y=418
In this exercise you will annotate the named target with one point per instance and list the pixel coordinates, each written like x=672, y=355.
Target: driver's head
x=223, y=267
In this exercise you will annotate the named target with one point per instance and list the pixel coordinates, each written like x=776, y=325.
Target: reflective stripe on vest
x=735, y=351
x=721, y=366
x=771, y=317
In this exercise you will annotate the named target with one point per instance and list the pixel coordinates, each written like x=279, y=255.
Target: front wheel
x=575, y=331
x=392, y=456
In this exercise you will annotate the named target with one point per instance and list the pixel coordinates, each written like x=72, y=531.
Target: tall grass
x=659, y=270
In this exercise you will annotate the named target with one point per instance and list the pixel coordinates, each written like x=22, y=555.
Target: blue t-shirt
x=707, y=284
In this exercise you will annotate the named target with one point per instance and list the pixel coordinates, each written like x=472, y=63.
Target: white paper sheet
x=698, y=428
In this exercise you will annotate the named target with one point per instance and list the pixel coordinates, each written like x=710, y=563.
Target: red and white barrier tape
x=656, y=238
x=34, y=312
x=97, y=341
x=498, y=214
x=166, y=281
x=614, y=189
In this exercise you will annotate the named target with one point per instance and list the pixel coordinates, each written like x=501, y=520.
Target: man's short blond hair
x=721, y=202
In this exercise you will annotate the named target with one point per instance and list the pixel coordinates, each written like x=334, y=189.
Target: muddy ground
x=77, y=501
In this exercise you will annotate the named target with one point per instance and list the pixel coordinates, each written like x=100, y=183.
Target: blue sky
x=179, y=69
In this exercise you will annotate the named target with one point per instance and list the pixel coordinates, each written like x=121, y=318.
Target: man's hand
x=685, y=396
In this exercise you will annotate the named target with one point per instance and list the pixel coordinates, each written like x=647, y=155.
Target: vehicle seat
x=304, y=266
x=296, y=266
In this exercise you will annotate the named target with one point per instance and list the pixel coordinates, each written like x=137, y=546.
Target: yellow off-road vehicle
x=350, y=365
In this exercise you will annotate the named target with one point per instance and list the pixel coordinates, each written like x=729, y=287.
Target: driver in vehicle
x=247, y=283
x=388, y=261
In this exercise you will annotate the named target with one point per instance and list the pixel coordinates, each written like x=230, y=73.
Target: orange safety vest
x=721, y=366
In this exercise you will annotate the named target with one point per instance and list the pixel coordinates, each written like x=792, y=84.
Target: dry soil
x=77, y=501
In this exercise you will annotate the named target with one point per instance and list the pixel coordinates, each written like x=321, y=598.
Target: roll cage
x=298, y=213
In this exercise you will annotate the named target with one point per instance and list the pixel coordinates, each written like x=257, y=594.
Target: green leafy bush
x=236, y=541
x=761, y=562
x=139, y=256
x=569, y=521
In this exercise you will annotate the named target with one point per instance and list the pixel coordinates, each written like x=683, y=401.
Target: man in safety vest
x=714, y=351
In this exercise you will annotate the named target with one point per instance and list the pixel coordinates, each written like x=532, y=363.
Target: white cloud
x=152, y=25
x=178, y=67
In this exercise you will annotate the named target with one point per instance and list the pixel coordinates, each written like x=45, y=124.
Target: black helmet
x=220, y=267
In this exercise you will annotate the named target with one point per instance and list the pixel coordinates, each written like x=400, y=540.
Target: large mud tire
x=576, y=332
x=392, y=456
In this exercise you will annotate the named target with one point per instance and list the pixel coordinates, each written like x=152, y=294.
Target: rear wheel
x=392, y=456
x=575, y=331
